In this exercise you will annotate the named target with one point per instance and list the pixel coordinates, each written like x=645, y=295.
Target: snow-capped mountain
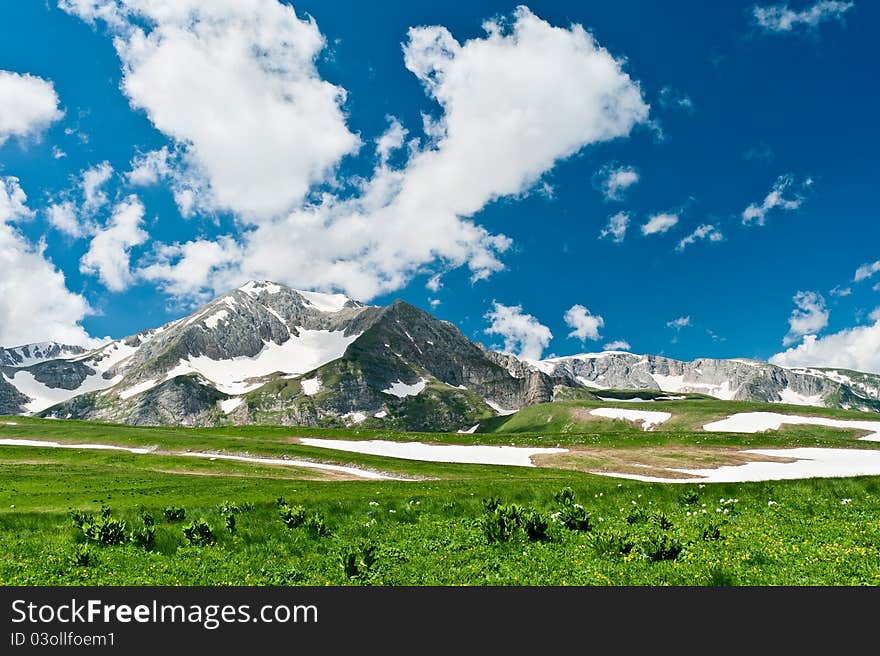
x=266, y=353
x=735, y=379
x=24, y=356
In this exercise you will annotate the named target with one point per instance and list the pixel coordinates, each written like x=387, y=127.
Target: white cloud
x=616, y=228
x=523, y=334
x=57, y=153
x=866, y=271
x=28, y=105
x=63, y=216
x=109, y=252
x=808, y=318
x=434, y=302
x=775, y=199
x=235, y=85
x=853, y=348
x=392, y=139
x=841, y=291
x=93, y=181
x=434, y=283
x=514, y=103
x=618, y=345
x=781, y=18
x=679, y=323
x=35, y=303
x=175, y=266
x=149, y=168
x=615, y=179
x=705, y=231
x=585, y=325
x=672, y=99
x=659, y=223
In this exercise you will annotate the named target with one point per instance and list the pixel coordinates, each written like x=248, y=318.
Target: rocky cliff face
x=265, y=353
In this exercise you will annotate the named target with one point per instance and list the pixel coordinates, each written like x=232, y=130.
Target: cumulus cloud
x=175, y=266
x=782, y=18
x=659, y=223
x=513, y=103
x=618, y=345
x=149, y=168
x=585, y=325
x=855, y=348
x=614, y=179
x=775, y=200
x=64, y=218
x=93, y=181
x=808, y=318
x=679, y=323
x=73, y=211
x=28, y=105
x=434, y=283
x=35, y=303
x=616, y=228
x=392, y=139
x=109, y=252
x=705, y=231
x=866, y=271
x=235, y=85
x=841, y=291
x=524, y=336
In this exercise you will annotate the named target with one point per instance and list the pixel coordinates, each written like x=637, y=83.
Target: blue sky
x=749, y=127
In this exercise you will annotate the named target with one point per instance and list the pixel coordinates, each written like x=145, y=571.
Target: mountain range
x=268, y=354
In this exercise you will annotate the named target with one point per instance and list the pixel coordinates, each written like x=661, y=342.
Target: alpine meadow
x=299, y=293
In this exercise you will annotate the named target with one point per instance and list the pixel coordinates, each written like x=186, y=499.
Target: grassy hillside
x=452, y=524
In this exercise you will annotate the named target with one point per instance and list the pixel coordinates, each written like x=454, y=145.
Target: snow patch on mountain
x=758, y=422
x=402, y=390
x=228, y=405
x=648, y=418
x=43, y=397
x=325, y=302
x=311, y=386
x=299, y=354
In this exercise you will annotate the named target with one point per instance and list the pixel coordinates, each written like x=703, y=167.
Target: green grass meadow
x=450, y=525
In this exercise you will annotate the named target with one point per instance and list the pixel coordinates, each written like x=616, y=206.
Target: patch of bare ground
x=660, y=461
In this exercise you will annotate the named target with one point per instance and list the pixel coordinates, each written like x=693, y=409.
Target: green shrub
x=575, y=517
x=661, y=519
x=565, y=496
x=536, y=526
x=174, y=514
x=317, y=526
x=83, y=556
x=357, y=562
x=145, y=536
x=228, y=511
x=636, y=515
x=103, y=529
x=491, y=504
x=689, y=497
x=661, y=545
x=613, y=542
x=503, y=522
x=293, y=517
x=199, y=534
x=147, y=519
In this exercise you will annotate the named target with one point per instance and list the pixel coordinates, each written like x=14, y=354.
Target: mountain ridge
x=266, y=353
